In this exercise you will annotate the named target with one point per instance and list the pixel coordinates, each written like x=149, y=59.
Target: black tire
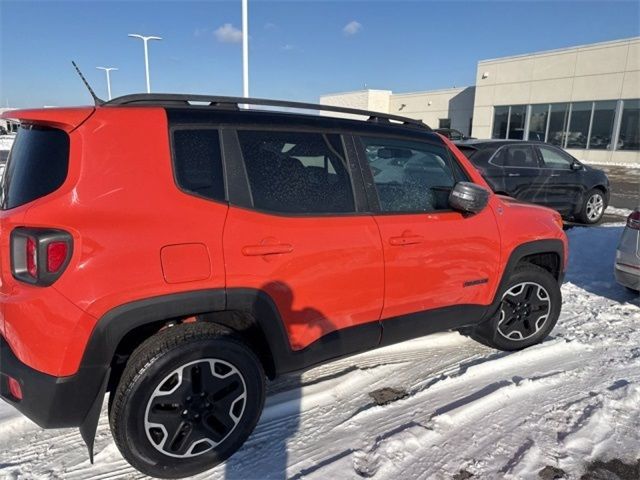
x=164, y=381
x=585, y=214
x=523, y=320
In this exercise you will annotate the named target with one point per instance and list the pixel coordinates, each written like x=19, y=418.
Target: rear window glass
x=37, y=165
x=292, y=172
x=198, y=162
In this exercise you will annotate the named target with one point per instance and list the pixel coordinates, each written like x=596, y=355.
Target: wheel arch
x=548, y=254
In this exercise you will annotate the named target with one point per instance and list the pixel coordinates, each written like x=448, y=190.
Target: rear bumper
x=627, y=277
x=51, y=402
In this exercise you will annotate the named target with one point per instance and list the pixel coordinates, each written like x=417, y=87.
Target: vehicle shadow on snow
x=265, y=454
x=592, y=253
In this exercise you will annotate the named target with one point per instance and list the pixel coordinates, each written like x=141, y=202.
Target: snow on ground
x=620, y=212
x=462, y=408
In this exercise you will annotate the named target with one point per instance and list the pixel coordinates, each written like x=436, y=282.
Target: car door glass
x=293, y=172
x=519, y=156
x=409, y=176
x=555, y=159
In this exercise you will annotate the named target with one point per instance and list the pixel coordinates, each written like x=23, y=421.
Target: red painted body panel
x=121, y=205
x=331, y=277
x=131, y=225
x=449, y=250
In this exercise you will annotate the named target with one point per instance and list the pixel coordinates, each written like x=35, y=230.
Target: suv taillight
x=39, y=255
x=633, y=220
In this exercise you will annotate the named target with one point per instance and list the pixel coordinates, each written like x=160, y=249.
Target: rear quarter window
x=37, y=165
x=197, y=162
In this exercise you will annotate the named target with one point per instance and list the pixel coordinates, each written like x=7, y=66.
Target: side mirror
x=576, y=166
x=468, y=197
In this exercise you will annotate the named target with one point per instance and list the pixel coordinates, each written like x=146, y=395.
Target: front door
x=564, y=186
x=434, y=257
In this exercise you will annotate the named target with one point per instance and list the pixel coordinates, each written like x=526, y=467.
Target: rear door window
x=37, y=165
x=297, y=172
x=517, y=156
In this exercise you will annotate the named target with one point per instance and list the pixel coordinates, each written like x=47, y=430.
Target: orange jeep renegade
x=176, y=250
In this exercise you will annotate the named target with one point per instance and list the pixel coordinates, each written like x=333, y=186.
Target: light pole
x=107, y=70
x=146, y=54
x=245, y=49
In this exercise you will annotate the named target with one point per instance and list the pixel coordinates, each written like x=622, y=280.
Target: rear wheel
x=593, y=207
x=529, y=309
x=188, y=399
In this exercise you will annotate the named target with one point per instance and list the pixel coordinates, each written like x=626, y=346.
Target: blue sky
x=298, y=49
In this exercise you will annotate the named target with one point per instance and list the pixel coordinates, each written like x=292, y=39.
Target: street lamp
x=107, y=70
x=146, y=54
x=245, y=49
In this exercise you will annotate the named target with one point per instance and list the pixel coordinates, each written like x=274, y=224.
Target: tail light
x=633, y=220
x=40, y=255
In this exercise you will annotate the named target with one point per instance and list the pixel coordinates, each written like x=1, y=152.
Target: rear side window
x=37, y=165
x=198, y=162
x=520, y=156
x=295, y=172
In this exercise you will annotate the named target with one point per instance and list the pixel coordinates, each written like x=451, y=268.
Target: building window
x=444, y=123
x=629, y=138
x=578, y=128
x=604, y=114
x=538, y=122
x=578, y=125
x=558, y=123
x=517, y=115
x=500, y=122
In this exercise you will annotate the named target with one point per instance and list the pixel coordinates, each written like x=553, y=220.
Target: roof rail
x=233, y=103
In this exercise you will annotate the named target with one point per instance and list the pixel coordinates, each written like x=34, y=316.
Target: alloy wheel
x=595, y=207
x=195, y=408
x=524, y=309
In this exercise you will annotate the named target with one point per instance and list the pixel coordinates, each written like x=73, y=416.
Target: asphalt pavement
x=625, y=190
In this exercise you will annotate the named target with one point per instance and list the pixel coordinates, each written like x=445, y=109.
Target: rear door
x=300, y=234
x=523, y=176
x=564, y=186
x=434, y=257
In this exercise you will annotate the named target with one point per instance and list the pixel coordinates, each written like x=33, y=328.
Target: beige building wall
x=455, y=104
x=373, y=100
x=602, y=71
x=430, y=106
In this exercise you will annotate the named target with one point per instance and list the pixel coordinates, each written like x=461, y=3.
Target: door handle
x=259, y=250
x=513, y=174
x=405, y=240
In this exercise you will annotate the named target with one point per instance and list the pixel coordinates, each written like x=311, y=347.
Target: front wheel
x=529, y=309
x=188, y=399
x=593, y=207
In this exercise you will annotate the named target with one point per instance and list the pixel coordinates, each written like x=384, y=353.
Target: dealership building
x=585, y=99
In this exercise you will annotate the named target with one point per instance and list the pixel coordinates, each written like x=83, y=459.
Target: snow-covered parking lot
x=439, y=407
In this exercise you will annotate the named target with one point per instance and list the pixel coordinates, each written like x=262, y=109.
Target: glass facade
x=538, y=122
x=629, y=138
x=577, y=125
x=556, y=130
x=604, y=113
x=500, y=122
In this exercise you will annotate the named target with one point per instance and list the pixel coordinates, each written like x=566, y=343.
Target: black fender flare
x=536, y=247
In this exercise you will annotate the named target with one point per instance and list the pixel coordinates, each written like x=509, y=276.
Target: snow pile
x=458, y=408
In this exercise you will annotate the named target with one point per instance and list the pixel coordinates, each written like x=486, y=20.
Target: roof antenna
x=96, y=100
